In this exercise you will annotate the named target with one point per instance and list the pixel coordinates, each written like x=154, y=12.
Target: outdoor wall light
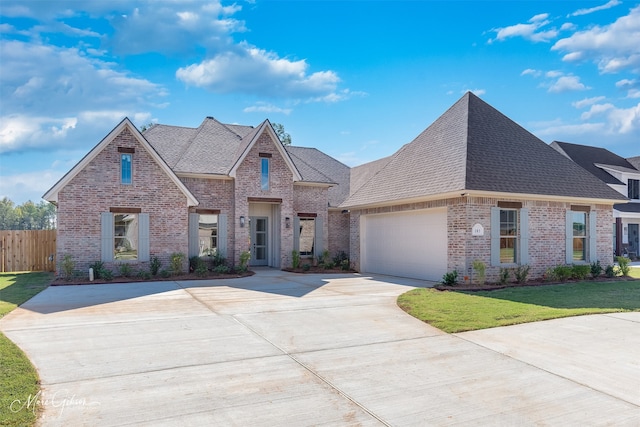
x=242, y=221
x=287, y=222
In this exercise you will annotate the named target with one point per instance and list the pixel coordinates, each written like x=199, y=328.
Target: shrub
x=177, y=259
x=561, y=272
x=328, y=265
x=504, y=276
x=164, y=273
x=154, y=265
x=340, y=258
x=306, y=267
x=216, y=259
x=480, y=269
x=98, y=267
x=324, y=258
x=221, y=269
x=580, y=271
x=106, y=274
x=610, y=271
x=521, y=273
x=345, y=265
x=595, y=269
x=125, y=269
x=244, y=261
x=295, y=259
x=144, y=274
x=193, y=263
x=201, y=268
x=623, y=263
x=68, y=265
x=450, y=278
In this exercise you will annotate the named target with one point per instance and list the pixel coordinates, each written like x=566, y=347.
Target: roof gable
x=588, y=157
x=52, y=194
x=252, y=138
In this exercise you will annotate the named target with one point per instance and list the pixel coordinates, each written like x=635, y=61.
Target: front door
x=259, y=240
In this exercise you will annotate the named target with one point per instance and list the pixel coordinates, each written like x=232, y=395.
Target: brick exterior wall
x=215, y=194
x=547, y=223
x=338, y=232
x=97, y=188
x=248, y=184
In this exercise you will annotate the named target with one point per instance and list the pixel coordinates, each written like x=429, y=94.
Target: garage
x=406, y=244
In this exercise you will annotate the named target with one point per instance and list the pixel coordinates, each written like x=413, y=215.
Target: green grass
x=18, y=378
x=453, y=311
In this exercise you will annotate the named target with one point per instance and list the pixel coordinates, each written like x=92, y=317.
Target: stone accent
x=97, y=188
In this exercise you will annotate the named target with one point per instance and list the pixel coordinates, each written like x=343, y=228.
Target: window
x=125, y=168
x=264, y=173
x=307, y=236
x=580, y=237
x=208, y=234
x=125, y=240
x=508, y=236
x=633, y=187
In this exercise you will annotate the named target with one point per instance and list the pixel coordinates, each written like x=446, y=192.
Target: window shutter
x=495, y=236
x=106, y=237
x=194, y=243
x=319, y=238
x=593, y=237
x=296, y=233
x=524, y=236
x=222, y=234
x=569, y=238
x=143, y=237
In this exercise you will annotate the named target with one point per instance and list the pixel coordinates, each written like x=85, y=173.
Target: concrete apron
x=285, y=349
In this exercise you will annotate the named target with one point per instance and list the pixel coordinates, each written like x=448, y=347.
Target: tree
x=28, y=216
x=283, y=136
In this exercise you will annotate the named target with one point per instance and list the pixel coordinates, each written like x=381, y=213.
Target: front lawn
x=458, y=311
x=18, y=378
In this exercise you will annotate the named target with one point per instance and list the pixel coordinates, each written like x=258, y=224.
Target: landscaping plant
x=295, y=259
x=480, y=269
x=562, y=272
x=177, y=259
x=610, y=271
x=521, y=273
x=68, y=266
x=596, y=269
x=244, y=261
x=580, y=271
x=154, y=265
x=504, y=276
x=98, y=267
x=623, y=264
x=450, y=278
x=125, y=269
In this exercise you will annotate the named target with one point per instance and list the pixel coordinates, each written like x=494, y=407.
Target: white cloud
x=531, y=72
x=625, y=120
x=587, y=11
x=531, y=31
x=553, y=74
x=587, y=102
x=256, y=71
x=613, y=47
x=596, y=110
x=567, y=83
x=51, y=96
x=263, y=107
x=28, y=186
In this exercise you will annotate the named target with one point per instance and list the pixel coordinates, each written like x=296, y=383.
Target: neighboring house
x=473, y=186
x=623, y=175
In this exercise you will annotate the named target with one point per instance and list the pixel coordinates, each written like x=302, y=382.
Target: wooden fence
x=28, y=250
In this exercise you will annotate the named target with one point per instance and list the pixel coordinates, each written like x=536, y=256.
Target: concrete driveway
x=295, y=350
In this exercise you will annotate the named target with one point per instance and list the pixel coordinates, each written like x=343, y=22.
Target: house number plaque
x=477, y=230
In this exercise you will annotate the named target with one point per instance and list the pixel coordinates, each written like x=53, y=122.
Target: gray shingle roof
x=473, y=146
x=635, y=161
x=587, y=157
x=316, y=166
x=631, y=207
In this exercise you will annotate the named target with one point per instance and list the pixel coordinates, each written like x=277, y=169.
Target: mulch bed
x=61, y=281
x=318, y=270
x=496, y=286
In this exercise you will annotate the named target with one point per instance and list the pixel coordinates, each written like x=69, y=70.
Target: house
x=623, y=175
x=476, y=186
x=473, y=186
x=216, y=189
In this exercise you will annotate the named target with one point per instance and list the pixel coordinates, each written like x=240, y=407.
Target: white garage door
x=406, y=244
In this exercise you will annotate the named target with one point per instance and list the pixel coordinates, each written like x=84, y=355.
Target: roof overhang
x=486, y=194
x=52, y=194
x=204, y=175
x=266, y=127
x=315, y=184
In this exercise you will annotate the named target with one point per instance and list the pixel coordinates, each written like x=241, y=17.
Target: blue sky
x=355, y=79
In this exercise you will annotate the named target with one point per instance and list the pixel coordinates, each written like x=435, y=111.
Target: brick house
x=473, y=185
